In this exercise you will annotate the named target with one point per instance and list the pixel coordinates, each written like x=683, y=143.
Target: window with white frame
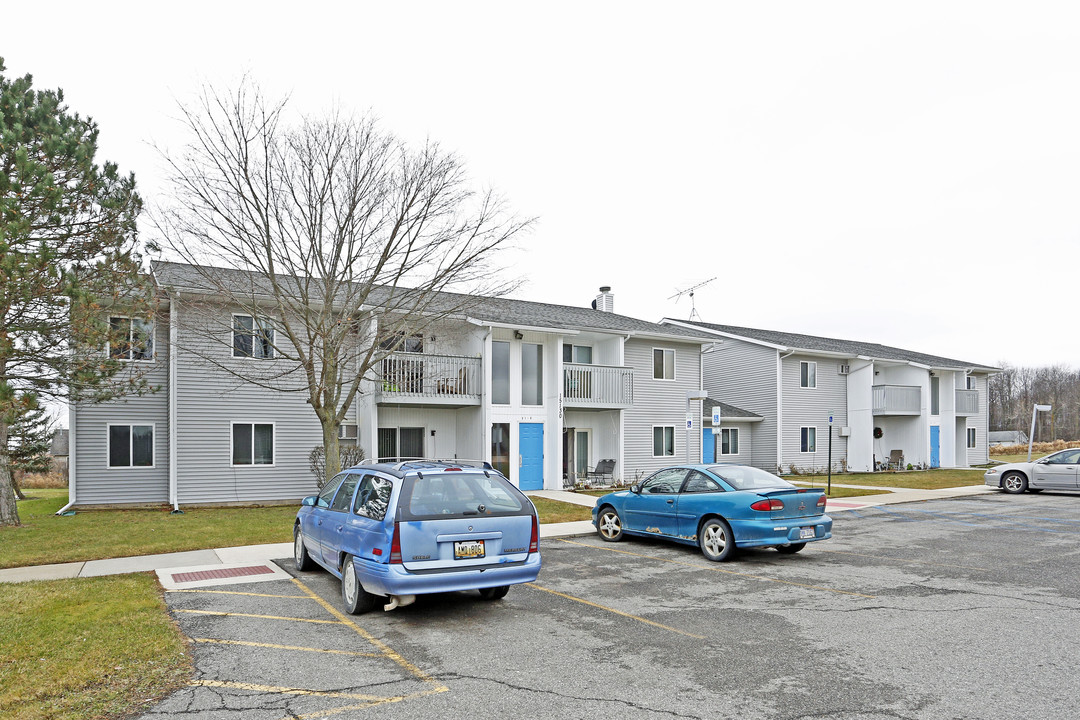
x=252, y=443
x=252, y=337
x=663, y=441
x=808, y=374
x=134, y=338
x=663, y=364
x=581, y=354
x=971, y=383
x=131, y=446
x=808, y=439
x=971, y=437
x=729, y=441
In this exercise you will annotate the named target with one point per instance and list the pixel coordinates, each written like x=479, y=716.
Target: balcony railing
x=597, y=385
x=422, y=376
x=897, y=400
x=967, y=402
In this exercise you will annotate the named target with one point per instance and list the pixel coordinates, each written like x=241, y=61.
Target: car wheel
x=715, y=540
x=357, y=600
x=1014, y=483
x=300, y=553
x=790, y=548
x=609, y=525
x=495, y=593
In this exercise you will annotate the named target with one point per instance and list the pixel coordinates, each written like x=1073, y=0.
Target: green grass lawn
x=87, y=648
x=1021, y=457
x=45, y=538
x=916, y=480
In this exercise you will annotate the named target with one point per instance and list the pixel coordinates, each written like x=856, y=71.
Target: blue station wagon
x=718, y=508
x=391, y=532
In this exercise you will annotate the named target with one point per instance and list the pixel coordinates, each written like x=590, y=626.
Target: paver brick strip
x=220, y=574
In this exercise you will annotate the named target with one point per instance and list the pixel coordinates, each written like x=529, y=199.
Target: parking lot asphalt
x=958, y=608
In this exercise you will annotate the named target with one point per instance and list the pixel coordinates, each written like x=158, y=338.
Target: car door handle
x=670, y=502
x=339, y=527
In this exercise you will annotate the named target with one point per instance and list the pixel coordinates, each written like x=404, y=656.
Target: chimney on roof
x=605, y=301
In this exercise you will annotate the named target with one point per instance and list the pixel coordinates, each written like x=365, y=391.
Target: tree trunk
x=331, y=448
x=9, y=510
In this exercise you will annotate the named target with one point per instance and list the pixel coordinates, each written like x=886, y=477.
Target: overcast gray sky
x=904, y=173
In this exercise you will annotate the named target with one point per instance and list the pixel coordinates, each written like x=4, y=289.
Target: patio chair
x=604, y=470
x=896, y=460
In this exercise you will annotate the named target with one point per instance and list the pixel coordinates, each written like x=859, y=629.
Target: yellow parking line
x=347, y=708
x=284, y=690
x=697, y=566
x=617, y=612
x=263, y=617
x=904, y=560
x=233, y=592
x=215, y=641
x=386, y=650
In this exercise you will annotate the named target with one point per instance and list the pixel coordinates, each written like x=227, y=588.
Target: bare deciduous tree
x=334, y=235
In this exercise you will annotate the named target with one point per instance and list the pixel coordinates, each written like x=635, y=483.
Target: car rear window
x=461, y=494
x=744, y=477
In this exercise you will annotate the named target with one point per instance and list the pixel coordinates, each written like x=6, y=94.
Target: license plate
x=468, y=549
x=805, y=533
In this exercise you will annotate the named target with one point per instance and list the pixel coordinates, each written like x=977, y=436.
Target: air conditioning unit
x=347, y=432
x=843, y=368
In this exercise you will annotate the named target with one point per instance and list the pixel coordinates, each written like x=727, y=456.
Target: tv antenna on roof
x=690, y=291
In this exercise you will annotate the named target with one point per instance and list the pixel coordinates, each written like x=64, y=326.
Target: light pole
x=829, y=491
x=1031, y=436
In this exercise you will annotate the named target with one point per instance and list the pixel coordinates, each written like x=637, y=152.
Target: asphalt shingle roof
x=853, y=348
x=726, y=411
x=503, y=311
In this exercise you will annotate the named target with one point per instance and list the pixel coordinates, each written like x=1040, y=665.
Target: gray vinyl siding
x=209, y=400
x=96, y=482
x=660, y=403
x=744, y=374
x=980, y=454
x=809, y=407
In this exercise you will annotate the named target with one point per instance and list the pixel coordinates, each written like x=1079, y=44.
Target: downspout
x=71, y=458
x=780, y=408
x=173, y=492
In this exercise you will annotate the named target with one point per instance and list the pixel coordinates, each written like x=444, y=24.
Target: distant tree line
x=1014, y=392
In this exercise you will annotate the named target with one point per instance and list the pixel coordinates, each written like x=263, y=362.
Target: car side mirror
x=636, y=489
x=310, y=501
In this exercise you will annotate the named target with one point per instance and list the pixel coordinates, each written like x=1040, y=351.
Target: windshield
x=461, y=494
x=743, y=477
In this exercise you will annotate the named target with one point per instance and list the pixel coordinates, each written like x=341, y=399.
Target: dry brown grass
x=1040, y=447
x=42, y=480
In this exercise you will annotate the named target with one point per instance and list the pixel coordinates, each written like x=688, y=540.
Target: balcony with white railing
x=597, y=386
x=897, y=400
x=429, y=379
x=967, y=402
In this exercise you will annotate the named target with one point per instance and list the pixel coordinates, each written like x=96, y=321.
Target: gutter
x=173, y=492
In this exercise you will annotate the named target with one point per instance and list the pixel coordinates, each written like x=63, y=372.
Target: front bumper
x=992, y=479
x=759, y=533
x=384, y=579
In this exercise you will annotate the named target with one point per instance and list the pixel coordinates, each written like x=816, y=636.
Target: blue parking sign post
x=829, y=490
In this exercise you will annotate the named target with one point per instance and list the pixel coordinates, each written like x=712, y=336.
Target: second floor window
x=935, y=396
x=134, y=339
x=252, y=338
x=581, y=354
x=500, y=373
x=808, y=374
x=532, y=374
x=663, y=364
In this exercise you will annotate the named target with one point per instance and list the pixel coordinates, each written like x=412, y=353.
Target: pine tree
x=29, y=441
x=67, y=253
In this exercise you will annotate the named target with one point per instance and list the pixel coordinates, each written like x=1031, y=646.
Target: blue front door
x=531, y=448
x=935, y=446
x=708, y=447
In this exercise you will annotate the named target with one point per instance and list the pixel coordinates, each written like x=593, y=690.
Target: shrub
x=348, y=454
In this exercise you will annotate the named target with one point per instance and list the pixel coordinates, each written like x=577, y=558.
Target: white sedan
x=1060, y=471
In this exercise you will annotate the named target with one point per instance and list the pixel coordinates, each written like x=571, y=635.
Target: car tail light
x=768, y=505
x=534, y=542
x=821, y=502
x=395, y=546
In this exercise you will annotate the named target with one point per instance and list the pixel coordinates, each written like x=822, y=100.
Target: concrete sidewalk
x=206, y=566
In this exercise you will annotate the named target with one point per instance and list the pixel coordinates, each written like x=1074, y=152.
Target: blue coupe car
x=393, y=531
x=718, y=508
